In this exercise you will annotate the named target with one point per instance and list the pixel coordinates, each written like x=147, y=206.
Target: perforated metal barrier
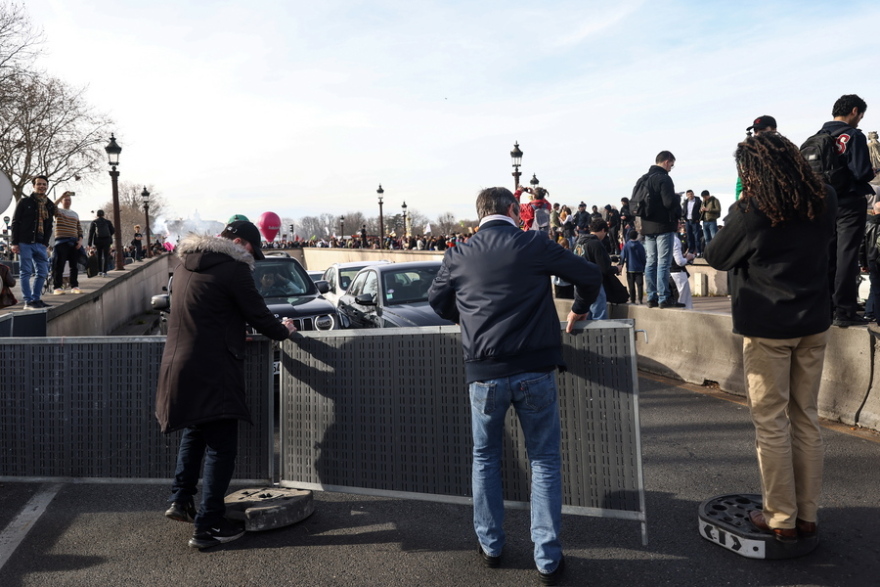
x=84, y=408
x=387, y=413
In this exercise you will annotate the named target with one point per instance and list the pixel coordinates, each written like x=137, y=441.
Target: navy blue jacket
x=497, y=287
x=853, y=145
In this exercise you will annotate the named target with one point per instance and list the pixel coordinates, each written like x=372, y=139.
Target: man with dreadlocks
x=774, y=245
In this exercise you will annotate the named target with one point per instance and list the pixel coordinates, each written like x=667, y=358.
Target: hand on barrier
x=572, y=318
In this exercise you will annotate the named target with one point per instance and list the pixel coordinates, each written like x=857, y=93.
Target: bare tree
x=131, y=210
x=48, y=129
x=19, y=42
x=353, y=222
x=445, y=224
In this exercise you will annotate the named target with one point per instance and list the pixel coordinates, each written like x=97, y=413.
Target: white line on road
x=18, y=528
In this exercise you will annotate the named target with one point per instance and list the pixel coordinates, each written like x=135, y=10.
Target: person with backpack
x=536, y=214
x=633, y=257
x=839, y=153
x=591, y=247
x=101, y=237
x=710, y=211
x=654, y=201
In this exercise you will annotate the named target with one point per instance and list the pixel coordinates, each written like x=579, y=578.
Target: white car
x=339, y=276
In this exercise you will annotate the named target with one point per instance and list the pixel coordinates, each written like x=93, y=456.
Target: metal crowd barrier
x=387, y=413
x=83, y=408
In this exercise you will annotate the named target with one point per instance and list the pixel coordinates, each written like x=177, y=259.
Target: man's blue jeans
x=693, y=237
x=710, y=229
x=34, y=260
x=217, y=442
x=658, y=253
x=599, y=308
x=534, y=397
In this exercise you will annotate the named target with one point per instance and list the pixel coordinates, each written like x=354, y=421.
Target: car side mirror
x=365, y=300
x=161, y=302
x=323, y=286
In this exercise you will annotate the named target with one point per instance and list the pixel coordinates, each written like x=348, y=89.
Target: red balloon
x=269, y=225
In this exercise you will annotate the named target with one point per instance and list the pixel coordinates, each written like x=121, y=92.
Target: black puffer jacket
x=201, y=378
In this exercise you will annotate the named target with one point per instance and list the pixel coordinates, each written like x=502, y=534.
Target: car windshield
x=346, y=276
x=281, y=279
x=408, y=286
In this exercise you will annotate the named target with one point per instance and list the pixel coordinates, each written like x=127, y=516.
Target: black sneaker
x=652, y=303
x=181, y=511
x=224, y=532
x=556, y=576
x=39, y=304
x=845, y=321
x=493, y=562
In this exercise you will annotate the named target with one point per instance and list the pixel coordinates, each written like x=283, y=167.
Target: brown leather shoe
x=781, y=534
x=806, y=529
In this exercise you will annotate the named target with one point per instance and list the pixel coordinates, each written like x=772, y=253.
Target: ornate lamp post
x=113, y=150
x=342, y=227
x=516, y=156
x=291, y=233
x=404, y=220
x=380, y=191
x=145, y=195
x=6, y=219
x=534, y=181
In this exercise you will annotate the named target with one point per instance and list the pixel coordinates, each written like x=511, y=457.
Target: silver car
x=340, y=275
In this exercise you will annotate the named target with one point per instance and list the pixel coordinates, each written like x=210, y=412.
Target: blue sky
x=305, y=107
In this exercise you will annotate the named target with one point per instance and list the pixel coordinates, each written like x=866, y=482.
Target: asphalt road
x=695, y=446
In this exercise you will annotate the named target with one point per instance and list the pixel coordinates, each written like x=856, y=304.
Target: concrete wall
x=100, y=312
x=701, y=348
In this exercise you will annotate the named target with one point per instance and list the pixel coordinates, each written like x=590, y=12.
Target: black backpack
x=820, y=151
x=642, y=202
x=102, y=228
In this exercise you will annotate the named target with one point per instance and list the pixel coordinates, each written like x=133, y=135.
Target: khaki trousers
x=782, y=380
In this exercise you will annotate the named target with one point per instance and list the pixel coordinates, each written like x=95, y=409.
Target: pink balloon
x=269, y=225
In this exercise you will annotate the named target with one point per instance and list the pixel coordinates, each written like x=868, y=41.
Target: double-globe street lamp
x=145, y=195
x=113, y=150
x=380, y=191
x=342, y=227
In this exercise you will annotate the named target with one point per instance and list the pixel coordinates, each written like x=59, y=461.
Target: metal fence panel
x=84, y=408
x=387, y=412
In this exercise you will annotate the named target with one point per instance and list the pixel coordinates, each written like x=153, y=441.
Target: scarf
x=42, y=214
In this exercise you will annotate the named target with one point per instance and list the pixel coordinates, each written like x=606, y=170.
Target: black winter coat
x=665, y=219
x=778, y=275
x=201, y=378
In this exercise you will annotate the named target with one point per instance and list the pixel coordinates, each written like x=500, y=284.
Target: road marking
x=18, y=528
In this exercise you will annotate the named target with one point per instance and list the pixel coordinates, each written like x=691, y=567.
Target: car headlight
x=324, y=322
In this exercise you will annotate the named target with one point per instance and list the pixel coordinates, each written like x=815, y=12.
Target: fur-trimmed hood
x=199, y=251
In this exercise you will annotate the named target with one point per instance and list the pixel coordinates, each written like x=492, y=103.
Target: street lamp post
x=113, y=150
x=291, y=233
x=534, y=181
x=145, y=195
x=380, y=191
x=516, y=156
x=404, y=221
x=342, y=227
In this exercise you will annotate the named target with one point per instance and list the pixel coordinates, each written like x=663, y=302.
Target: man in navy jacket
x=497, y=287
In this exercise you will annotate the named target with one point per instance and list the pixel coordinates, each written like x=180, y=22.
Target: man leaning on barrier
x=497, y=287
x=201, y=379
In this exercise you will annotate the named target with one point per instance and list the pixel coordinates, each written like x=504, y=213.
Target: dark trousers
x=844, y=255
x=636, y=281
x=217, y=442
x=102, y=251
x=64, y=253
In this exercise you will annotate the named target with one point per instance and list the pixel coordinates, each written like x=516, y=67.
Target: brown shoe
x=806, y=529
x=781, y=534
